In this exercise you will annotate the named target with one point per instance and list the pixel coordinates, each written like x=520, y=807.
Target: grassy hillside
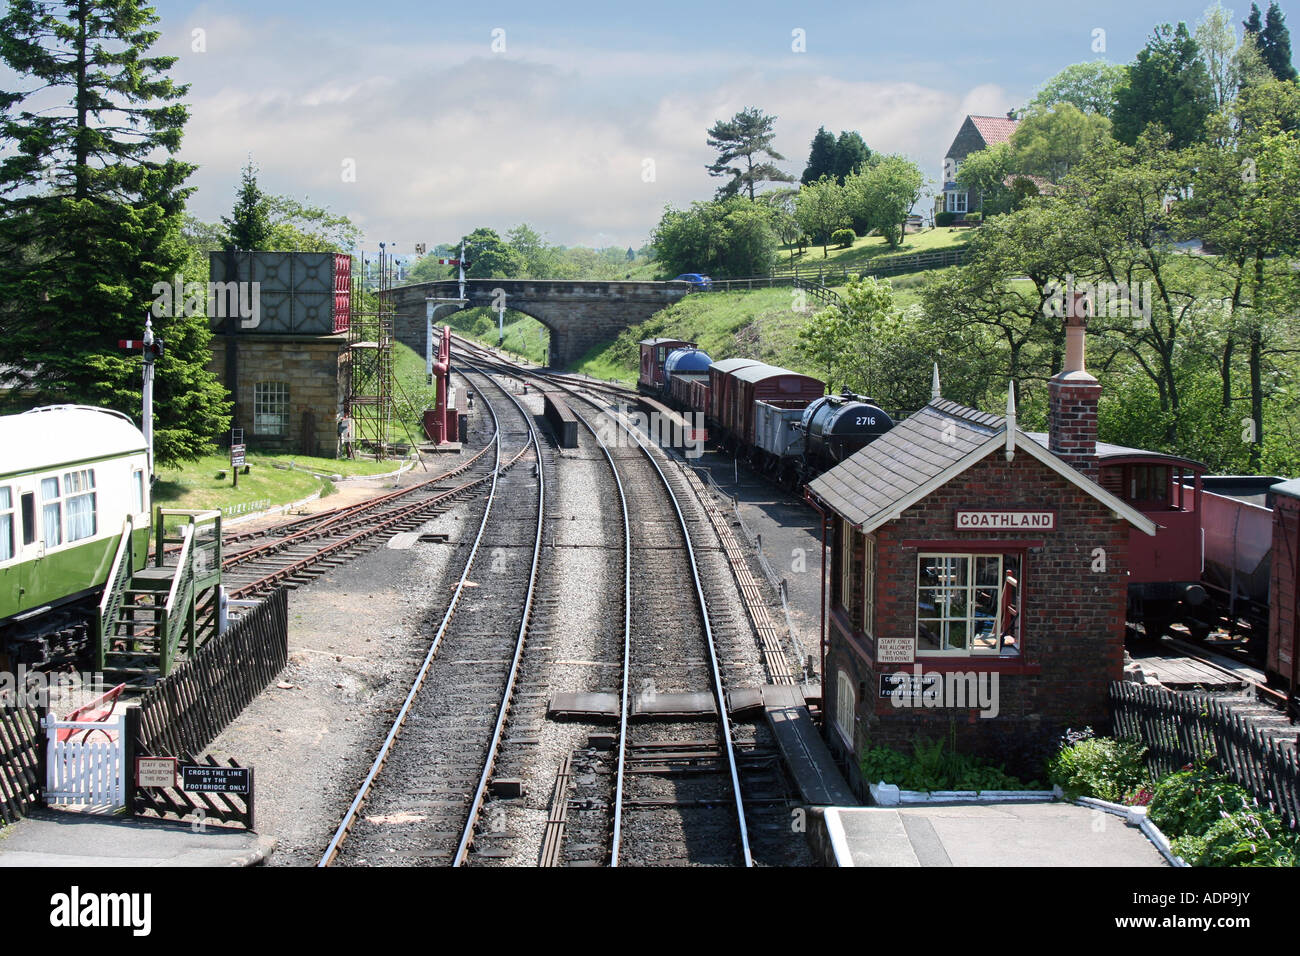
x=760, y=325
x=868, y=249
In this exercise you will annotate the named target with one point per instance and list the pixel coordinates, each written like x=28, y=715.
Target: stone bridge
x=579, y=314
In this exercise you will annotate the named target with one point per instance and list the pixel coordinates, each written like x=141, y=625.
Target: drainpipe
x=808, y=497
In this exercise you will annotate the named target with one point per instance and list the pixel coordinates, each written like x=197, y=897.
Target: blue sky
x=559, y=129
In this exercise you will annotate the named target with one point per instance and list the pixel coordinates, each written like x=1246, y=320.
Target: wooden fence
x=1179, y=729
x=185, y=711
x=21, y=748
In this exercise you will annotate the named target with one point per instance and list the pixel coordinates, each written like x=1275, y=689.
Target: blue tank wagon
x=70, y=477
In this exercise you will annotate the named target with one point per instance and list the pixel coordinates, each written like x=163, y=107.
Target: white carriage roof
x=49, y=437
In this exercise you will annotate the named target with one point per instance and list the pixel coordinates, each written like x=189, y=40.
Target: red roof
x=994, y=129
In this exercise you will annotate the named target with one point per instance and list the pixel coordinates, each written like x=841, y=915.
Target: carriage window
x=270, y=408
x=6, y=524
x=968, y=604
x=138, y=478
x=51, y=512
x=79, y=486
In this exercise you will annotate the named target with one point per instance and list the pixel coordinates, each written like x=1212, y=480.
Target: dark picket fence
x=185, y=711
x=1179, y=729
x=21, y=776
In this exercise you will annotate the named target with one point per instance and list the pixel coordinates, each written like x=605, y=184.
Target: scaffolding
x=370, y=395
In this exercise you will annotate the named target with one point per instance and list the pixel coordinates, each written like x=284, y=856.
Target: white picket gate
x=89, y=768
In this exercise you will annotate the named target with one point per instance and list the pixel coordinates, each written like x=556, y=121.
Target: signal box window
x=846, y=707
x=271, y=408
x=968, y=604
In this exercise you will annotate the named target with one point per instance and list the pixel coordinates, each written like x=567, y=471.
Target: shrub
x=1248, y=837
x=945, y=218
x=1188, y=803
x=1088, y=766
x=843, y=238
x=975, y=217
x=932, y=766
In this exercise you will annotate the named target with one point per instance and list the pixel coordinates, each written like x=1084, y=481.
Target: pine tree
x=821, y=157
x=1275, y=44
x=91, y=205
x=1168, y=85
x=1254, y=23
x=851, y=154
x=248, y=227
x=746, y=136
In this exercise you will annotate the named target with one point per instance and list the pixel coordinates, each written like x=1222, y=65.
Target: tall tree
x=1089, y=87
x=821, y=157
x=851, y=154
x=1167, y=85
x=248, y=227
x=490, y=257
x=1047, y=143
x=1217, y=40
x=742, y=142
x=1275, y=44
x=91, y=206
x=884, y=192
x=821, y=208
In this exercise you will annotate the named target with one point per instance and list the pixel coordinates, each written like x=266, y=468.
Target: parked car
x=703, y=283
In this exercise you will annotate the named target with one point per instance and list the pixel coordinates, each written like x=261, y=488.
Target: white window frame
x=9, y=515
x=271, y=409
x=846, y=707
x=51, y=507
x=79, y=486
x=969, y=592
x=951, y=204
x=846, y=566
x=137, y=489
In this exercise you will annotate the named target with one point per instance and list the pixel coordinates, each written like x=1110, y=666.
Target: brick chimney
x=1072, y=397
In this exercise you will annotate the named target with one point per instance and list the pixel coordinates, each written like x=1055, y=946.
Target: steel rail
x=719, y=694
x=340, y=834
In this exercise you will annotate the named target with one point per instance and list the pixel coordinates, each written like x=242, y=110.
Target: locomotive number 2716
x=866, y=419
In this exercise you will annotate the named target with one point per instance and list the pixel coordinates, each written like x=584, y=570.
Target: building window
x=968, y=604
x=869, y=587
x=956, y=201
x=846, y=566
x=846, y=707
x=6, y=524
x=270, y=408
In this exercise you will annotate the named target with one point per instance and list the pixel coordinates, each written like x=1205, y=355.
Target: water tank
x=685, y=360
x=839, y=425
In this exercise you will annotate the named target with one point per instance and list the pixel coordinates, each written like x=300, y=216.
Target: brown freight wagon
x=720, y=388
x=767, y=383
x=653, y=353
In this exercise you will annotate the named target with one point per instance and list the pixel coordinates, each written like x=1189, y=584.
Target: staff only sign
x=1006, y=520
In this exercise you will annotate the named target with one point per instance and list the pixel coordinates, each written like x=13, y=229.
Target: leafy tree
x=729, y=237
x=489, y=256
x=300, y=227
x=539, y=257
x=1217, y=40
x=821, y=208
x=1047, y=143
x=91, y=205
x=746, y=136
x=987, y=173
x=851, y=154
x=1168, y=85
x=821, y=157
x=248, y=227
x=884, y=193
x=1089, y=87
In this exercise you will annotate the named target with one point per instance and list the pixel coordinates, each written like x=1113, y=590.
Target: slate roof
x=868, y=484
x=927, y=449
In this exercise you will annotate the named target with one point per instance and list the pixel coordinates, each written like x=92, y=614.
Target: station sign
x=200, y=779
x=237, y=456
x=155, y=771
x=1006, y=520
x=895, y=650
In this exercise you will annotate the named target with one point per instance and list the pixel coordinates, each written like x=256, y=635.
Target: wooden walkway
x=806, y=754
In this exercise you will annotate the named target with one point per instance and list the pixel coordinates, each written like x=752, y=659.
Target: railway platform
x=1055, y=834
x=57, y=838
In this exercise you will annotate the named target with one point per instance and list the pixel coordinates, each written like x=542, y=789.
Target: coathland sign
x=1006, y=520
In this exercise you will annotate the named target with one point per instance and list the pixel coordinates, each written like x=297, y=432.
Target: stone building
x=976, y=133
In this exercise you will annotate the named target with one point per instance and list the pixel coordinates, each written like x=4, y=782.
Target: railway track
x=420, y=802
x=294, y=552
x=674, y=794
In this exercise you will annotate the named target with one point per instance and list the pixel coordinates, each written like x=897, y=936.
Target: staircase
x=153, y=617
